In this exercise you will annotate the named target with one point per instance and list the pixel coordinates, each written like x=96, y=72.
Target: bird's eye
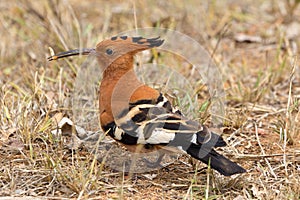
x=109, y=51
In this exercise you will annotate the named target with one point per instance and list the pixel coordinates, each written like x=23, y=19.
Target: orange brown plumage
x=142, y=118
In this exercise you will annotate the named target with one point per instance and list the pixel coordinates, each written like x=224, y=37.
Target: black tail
x=217, y=161
x=210, y=138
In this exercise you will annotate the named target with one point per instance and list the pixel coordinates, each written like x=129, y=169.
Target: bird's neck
x=118, y=83
x=118, y=70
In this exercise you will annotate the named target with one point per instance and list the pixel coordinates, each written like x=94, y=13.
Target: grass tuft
x=261, y=82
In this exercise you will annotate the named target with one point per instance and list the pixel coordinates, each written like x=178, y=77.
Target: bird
x=140, y=117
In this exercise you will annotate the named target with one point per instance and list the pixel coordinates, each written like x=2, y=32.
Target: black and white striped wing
x=156, y=122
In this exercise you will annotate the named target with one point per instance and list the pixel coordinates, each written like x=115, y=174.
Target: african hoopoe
x=141, y=117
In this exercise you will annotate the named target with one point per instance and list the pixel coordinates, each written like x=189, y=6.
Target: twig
x=287, y=114
x=263, y=156
x=92, y=167
x=263, y=152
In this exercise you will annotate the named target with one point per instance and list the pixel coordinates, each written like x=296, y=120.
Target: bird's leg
x=155, y=164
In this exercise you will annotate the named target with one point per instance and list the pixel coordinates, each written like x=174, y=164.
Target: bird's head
x=115, y=49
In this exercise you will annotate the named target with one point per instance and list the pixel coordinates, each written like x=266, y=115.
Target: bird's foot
x=155, y=164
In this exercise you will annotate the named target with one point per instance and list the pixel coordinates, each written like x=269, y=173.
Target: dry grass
x=261, y=78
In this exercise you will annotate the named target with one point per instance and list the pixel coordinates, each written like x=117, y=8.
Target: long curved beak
x=75, y=52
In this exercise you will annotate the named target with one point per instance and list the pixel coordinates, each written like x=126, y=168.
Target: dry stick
x=263, y=152
x=60, y=85
x=92, y=167
x=263, y=156
x=284, y=146
x=121, y=195
x=223, y=31
x=207, y=181
x=77, y=25
x=190, y=189
x=58, y=33
x=296, y=121
x=135, y=18
x=139, y=59
x=287, y=114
